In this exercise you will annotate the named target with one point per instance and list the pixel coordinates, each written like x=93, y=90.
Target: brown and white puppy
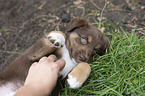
x=78, y=45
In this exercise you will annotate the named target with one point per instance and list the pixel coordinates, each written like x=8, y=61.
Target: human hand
x=42, y=75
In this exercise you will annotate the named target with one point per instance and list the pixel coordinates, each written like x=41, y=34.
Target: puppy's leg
x=40, y=48
x=78, y=75
x=45, y=46
x=20, y=66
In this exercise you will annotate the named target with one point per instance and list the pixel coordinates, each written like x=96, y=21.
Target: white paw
x=57, y=39
x=73, y=83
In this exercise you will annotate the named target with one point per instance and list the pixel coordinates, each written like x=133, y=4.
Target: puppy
x=80, y=42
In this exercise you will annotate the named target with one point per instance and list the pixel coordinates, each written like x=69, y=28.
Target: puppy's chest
x=70, y=62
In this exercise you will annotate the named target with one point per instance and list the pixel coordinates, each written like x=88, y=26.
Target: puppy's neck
x=70, y=63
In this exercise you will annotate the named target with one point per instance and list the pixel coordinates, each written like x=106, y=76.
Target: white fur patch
x=69, y=62
x=58, y=37
x=8, y=89
x=73, y=83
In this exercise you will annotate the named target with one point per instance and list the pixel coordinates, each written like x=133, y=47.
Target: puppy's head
x=85, y=40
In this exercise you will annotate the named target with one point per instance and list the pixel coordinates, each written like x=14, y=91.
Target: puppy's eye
x=84, y=40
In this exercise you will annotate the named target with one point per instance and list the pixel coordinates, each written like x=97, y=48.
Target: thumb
x=61, y=63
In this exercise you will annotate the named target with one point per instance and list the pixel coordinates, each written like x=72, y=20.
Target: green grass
x=121, y=72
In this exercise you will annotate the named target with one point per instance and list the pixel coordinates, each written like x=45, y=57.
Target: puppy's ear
x=76, y=23
x=104, y=47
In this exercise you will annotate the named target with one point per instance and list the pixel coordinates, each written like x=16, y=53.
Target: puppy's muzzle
x=82, y=58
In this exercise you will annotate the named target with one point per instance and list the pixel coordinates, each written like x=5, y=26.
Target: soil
x=23, y=22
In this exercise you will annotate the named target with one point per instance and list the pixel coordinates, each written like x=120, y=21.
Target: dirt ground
x=23, y=22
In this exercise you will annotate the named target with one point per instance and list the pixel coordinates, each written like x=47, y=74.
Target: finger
x=52, y=58
x=43, y=59
x=33, y=65
x=61, y=63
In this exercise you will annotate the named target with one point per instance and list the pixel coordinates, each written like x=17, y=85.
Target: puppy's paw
x=78, y=75
x=73, y=82
x=57, y=39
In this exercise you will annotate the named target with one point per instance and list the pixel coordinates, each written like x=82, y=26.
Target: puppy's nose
x=82, y=58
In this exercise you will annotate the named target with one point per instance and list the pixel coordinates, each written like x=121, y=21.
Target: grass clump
x=120, y=72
